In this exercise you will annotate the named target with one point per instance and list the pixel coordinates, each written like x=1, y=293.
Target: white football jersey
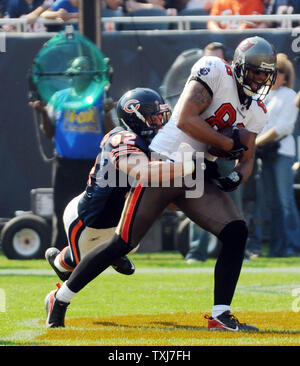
x=224, y=110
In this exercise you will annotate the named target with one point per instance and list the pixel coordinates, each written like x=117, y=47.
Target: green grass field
x=162, y=304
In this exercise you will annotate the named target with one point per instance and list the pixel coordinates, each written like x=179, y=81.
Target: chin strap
x=244, y=99
x=248, y=101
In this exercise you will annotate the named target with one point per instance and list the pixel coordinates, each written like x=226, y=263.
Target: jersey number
x=224, y=116
x=125, y=138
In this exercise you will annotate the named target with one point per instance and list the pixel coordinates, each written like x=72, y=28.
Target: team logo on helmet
x=246, y=45
x=132, y=105
x=267, y=66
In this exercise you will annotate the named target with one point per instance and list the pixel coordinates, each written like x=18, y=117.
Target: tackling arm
x=139, y=167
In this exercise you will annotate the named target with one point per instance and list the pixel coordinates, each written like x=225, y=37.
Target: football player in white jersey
x=223, y=103
x=216, y=95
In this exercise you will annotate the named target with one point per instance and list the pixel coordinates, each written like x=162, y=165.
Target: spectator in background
x=215, y=49
x=176, y=4
x=62, y=10
x=3, y=4
x=235, y=7
x=28, y=9
x=277, y=160
x=76, y=136
x=199, y=4
x=112, y=8
x=282, y=7
x=112, y=4
x=132, y=5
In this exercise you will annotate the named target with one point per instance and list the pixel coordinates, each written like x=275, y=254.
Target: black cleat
x=50, y=255
x=228, y=322
x=123, y=265
x=56, y=311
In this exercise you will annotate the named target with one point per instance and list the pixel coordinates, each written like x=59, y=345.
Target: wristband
x=188, y=167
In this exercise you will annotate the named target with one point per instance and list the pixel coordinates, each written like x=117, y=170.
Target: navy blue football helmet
x=143, y=111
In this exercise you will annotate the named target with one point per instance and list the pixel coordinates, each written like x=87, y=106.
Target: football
x=227, y=131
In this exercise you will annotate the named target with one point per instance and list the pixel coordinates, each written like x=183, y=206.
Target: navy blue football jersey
x=107, y=188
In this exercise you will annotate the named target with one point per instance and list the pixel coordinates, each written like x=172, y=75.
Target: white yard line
x=49, y=272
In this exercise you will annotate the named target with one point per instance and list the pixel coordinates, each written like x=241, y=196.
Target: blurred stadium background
x=138, y=57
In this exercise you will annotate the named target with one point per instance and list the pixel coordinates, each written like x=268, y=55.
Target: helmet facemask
x=254, y=65
x=154, y=121
x=244, y=80
x=160, y=118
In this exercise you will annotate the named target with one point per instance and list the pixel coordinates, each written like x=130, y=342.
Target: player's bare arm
x=194, y=101
x=139, y=167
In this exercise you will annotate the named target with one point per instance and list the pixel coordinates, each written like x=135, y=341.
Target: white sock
x=58, y=265
x=64, y=294
x=219, y=309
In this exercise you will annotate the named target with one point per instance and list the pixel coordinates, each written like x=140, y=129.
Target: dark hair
x=215, y=46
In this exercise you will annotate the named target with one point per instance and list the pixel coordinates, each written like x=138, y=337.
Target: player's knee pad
x=236, y=232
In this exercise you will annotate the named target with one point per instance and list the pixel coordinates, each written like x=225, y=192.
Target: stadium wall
x=138, y=58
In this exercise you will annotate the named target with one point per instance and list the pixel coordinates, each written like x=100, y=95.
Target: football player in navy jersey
x=92, y=216
x=216, y=95
x=124, y=159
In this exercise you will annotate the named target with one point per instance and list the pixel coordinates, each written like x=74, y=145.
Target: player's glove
x=238, y=148
x=211, y=170
x=230, y=182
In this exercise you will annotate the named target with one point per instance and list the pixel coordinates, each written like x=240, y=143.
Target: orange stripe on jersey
x=116, y=155
x=129, y=212
x=115, y=158
x=124, y=150
x=73, y=240
x=124, y=147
